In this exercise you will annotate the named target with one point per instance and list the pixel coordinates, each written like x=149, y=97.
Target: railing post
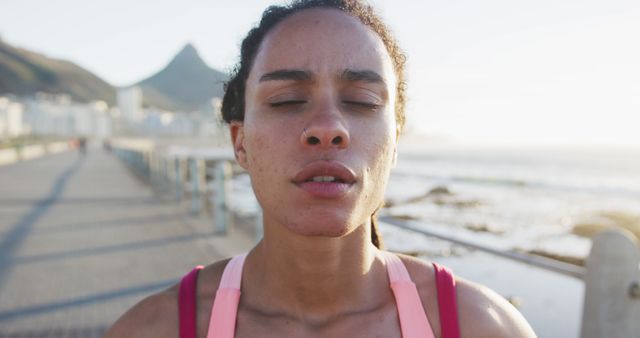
x=194, y=174
x=153, y=173
x=222, y=183
x=146, y=163
x=139, y=162
x=134, y=161
x=157, y=164
x=178, y=178
x=166, y=181
x=128, y=157
x=612, y=300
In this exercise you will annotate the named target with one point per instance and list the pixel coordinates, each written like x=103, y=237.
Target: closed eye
x=361, y=104
x=286, y=103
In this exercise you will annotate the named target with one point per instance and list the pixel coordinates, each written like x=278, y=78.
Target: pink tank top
x=413, y=319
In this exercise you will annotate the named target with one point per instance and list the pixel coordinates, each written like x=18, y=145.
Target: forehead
x=322, y=40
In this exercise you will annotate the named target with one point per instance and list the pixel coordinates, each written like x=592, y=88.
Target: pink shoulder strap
x=225, y=307
x=187, y=304
x=413, y=319
x=447, y=302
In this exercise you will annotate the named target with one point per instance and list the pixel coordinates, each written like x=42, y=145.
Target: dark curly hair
x=233, y=104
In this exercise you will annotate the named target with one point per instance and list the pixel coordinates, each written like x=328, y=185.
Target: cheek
x=259, y=149
x=261, y=169
x=380, y=161
x=381, y=146
x=266, y=155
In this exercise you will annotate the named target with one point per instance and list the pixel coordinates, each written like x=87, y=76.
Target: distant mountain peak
x=188, y=53
x=188, y=48
x=186, y=83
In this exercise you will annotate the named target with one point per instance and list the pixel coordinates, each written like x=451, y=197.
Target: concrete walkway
x=82, y=239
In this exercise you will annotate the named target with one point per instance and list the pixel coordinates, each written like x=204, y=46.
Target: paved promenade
x=82, y=239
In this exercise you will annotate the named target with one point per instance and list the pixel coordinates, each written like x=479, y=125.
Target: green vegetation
x=24, y=73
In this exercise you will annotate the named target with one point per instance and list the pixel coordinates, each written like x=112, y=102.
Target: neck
x=314, y=278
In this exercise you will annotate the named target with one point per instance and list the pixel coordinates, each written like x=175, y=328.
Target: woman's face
x=319, y=134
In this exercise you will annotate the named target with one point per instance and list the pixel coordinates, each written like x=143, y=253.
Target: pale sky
x=491, y=71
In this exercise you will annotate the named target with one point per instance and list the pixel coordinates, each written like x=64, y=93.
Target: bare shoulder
x=154, y=316
x=481, y=311
x=157, y=315
x=484, y=313
x=422, y=274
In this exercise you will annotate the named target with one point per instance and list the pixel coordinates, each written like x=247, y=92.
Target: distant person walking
x=82, y=145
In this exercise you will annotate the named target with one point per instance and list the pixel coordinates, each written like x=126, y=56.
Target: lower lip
x=325, y=189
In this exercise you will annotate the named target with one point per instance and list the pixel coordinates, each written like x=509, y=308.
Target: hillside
x=25, y=73
x=186, y=83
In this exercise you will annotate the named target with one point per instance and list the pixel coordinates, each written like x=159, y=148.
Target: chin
x=322, y=231
x=322, y=225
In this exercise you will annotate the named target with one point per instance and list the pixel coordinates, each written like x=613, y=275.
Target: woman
x=315, y=108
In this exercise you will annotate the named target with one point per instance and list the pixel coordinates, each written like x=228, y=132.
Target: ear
x=237, y=140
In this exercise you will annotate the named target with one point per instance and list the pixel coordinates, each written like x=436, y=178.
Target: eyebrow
x=353, y=75
x=287, y=74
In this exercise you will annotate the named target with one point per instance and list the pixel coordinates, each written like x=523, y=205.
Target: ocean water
x=517, y=198
x=512, y=198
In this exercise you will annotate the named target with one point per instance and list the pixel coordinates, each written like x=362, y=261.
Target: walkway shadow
x=138, y=245
x=118, y=200
x=19, y=231
x=34, y=310
x=118, y=222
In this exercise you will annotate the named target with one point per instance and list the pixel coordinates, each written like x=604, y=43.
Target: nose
x=325, y=131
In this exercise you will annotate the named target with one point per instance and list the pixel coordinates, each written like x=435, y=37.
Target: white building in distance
x=11, y=119
x=58, y=115
x=130, y=103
